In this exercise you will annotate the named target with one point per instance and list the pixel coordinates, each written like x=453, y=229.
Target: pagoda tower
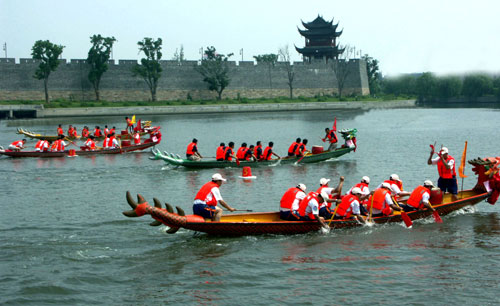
x=320, y=39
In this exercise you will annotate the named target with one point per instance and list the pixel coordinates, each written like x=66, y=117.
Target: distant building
x=320, y=40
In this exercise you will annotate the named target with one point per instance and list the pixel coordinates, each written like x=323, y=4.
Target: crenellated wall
x=179, y=79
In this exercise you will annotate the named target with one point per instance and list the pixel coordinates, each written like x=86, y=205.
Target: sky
x=439, y=36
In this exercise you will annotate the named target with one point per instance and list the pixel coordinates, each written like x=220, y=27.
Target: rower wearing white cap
x=309, y=208
x=205, y=201
x=396, y=186
x=330, y=195
x=382, y=202
x=363, y=185
x=419, y=198
x=447, y=176
x=289, y=203
x=349, y=207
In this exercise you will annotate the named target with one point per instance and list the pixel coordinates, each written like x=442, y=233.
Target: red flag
x=462, y=162
x=334, y=127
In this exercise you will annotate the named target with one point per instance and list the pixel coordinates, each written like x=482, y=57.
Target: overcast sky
x=441, y=36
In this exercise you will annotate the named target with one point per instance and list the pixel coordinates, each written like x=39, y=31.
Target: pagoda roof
x=318, y=23
x=317, y=50
x=323, y=32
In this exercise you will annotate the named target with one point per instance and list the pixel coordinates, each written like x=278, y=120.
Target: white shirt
x=115, y=143
x=312, y=207
x=364, y=190
x=214, y=193
x=435, y=160
x=325, y=193
x=299, y=196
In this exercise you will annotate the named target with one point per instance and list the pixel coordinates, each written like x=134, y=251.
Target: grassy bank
x=62, y=103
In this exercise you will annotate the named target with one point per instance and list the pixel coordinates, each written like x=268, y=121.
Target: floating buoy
x=246, y=173
x=72, y=152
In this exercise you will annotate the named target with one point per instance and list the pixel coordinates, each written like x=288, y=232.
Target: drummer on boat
x=207, y=198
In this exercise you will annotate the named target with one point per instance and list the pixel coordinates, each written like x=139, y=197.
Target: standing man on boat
x=17, y=145
x=446, y=168
x=205, y=201
x=290, y=201
x=419, y=198
x=192, y=151
x=268, y=152
x=293, y=147
x=219, y=153
x=332, y=139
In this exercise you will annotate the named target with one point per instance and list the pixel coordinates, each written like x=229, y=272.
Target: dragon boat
x=317, y=155
x=123, y=149
x=29, y=134
x=269, y=222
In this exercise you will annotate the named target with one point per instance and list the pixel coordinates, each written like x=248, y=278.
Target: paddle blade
x=406, y=219
x=437, y=217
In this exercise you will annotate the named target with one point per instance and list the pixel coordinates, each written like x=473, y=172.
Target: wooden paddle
x=370, y=219
x=435, y=214
x=404, y=215
x=333, y=215
x=300, y=159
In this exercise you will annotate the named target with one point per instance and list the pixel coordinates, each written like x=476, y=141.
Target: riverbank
x=40, y=112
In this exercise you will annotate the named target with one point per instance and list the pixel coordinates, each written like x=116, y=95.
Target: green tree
x=477, y=85
x=48, y=55
x=98, y=58
x=401, y=85
x=374, y=75
x=448, y=87
x=214, y=70
x=340, y=67
x=285, y=56
x=150, y=68
x=179, y=55
x=496, y=87
x=269, y=60
x=426, y=87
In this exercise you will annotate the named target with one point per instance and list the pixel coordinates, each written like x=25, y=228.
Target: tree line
x=213, y=68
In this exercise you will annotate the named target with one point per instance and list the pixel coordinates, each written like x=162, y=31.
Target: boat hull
x=176, y=161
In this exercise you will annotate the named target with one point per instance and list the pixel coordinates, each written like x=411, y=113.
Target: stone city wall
x=179, y=80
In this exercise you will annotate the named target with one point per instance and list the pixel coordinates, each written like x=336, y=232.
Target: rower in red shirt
x=60, y=130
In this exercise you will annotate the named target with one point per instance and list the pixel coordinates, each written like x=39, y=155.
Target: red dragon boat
x=269, y=222
x=126, y=147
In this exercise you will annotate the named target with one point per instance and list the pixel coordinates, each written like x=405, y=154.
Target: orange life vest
x=54, y=145
x=257, y=151
x=220, y=152
x=305, y=202
x=378, y=199
x=97, y=133
x=85, y=133
x=446, y=173
x=112, y=131
x=397, y=183
x=90, y=144
x=240, y=154
x=60, y=131
x=293, y=147
x=190, y=149
x=39, y=145
x=288, y=198
x=204, y=191
x=300, y=147
x=228, y=152
x=416, y=196
x=345, y=204
x=332, y=137
x=267, y=153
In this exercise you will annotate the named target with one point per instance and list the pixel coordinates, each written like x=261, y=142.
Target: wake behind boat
x=270, y=222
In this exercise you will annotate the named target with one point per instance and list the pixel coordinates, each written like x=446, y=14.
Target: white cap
x=386, y=185
x=365, y=179
x=428, y=183
x=218, y=177
x=302, y=187
x=394, y=177
x=444, y=150
x=324, y=181
x=356, y=190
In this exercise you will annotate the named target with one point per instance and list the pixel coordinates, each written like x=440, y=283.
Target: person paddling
x=207, y=198
x=309, y=208
x=219, y=153
x=301, y=149
x=293, y=147
x=330, y=195
x=60, y=130
x=90, y=144
x=240, y=154
x=192, y=151
x=381, y=201
x=419, y=198
x=17, y=145
x=229, y=152
x=289, y=203
x=258, y=150
x=396, y=186
x=268, y=152
x=349, y=206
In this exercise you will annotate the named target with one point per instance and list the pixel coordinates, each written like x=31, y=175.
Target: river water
x=64, y=240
